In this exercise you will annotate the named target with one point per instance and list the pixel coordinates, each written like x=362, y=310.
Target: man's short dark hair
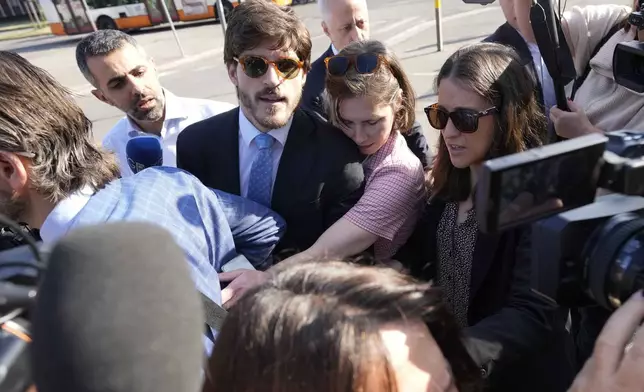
x=100, y=43
x=257, y=22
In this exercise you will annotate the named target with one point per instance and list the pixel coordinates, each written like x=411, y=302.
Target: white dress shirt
x=248, y=148
x=60, y=219
x=547, y=84
x=179, y=114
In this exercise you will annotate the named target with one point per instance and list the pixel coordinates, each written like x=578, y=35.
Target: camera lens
x=626, y=275
x=615, y=267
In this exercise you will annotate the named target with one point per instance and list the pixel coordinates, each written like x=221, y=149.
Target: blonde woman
x=370, y=98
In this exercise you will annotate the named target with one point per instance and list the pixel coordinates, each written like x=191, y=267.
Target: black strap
x=214, y=314
x=580, y=80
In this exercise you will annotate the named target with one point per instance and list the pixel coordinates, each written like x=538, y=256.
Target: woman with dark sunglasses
x=486, y=108
x=369, y=97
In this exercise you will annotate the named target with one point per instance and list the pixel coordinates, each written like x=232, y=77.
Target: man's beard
x=267, y=119
x=13, y=206
x=154, y=114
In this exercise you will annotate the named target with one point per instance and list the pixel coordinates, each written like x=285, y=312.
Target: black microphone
x=143, y=152
x=117, y=311
x=546, y=32
x=14, y=296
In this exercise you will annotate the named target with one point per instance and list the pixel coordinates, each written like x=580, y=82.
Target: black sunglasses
x=364, y=63
x=465, y=120
x=257, y=66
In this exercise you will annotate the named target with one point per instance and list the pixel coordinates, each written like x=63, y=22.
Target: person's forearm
x=341, y=240
x=256, y=230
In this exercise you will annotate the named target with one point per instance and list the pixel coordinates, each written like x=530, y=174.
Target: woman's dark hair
x=494, y=72
x=314, y=326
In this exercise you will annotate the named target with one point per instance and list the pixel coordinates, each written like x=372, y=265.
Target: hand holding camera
x=615, y=365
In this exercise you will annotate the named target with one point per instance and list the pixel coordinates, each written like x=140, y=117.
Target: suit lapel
x=225, y=153
x=514, y=39
x=296, y=162
x=318, y=76
x=429, y=222
x=485, y=252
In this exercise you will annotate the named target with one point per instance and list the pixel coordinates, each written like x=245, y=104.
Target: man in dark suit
x=517, y=33
x=268, y=149
x=346, y=21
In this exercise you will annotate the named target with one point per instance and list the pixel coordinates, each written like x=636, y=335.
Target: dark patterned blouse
x=455, y=250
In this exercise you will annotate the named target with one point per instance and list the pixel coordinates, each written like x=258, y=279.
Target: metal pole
x=30, y=5
x=89, y=18
x=34, y=23
x=174, y=32
x=439, y=25
x=21, y=8
x=222, y=16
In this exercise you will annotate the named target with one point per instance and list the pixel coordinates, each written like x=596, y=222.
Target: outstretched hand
x=241, y=280
x=616, y=365
x=571, y=124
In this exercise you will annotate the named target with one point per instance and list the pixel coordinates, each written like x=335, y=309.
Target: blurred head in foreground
x=335, y=326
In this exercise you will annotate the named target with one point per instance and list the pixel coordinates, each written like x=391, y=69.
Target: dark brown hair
x=383, y=85
x=494, y=72
x=257, y=22
x=314, y=326
x=40, y=117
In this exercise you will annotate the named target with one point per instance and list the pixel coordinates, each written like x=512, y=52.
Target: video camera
x=18, y=282
x=628, y=58
x=585, y=249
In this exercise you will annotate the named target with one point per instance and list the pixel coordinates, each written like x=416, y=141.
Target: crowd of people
x=321, y=169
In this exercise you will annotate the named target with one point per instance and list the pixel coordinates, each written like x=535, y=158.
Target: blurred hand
x=571, y=124
x=612, y=368
x=523, y=207
x=394, y=264
x=240, y=281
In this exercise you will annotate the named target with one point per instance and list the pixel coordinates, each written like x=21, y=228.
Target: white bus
x=66, y=17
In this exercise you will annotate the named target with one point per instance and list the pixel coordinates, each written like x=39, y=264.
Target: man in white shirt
x=54, y=178
x=125, y=77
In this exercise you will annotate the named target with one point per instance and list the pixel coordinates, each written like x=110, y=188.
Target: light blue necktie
x=260, y=183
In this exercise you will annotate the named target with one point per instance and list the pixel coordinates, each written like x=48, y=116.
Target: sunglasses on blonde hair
x=364, y=63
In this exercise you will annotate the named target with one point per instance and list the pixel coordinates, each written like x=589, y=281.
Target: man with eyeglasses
x=346, y=21
x=268, y=149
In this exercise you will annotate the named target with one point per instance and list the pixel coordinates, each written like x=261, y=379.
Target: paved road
x=407, y=26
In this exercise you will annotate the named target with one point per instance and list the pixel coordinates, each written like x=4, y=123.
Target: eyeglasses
x=364, y=63
x=465, y=120
x=257, y=66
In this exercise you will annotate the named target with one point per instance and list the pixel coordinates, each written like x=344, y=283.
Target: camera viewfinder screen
x=544, y=187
